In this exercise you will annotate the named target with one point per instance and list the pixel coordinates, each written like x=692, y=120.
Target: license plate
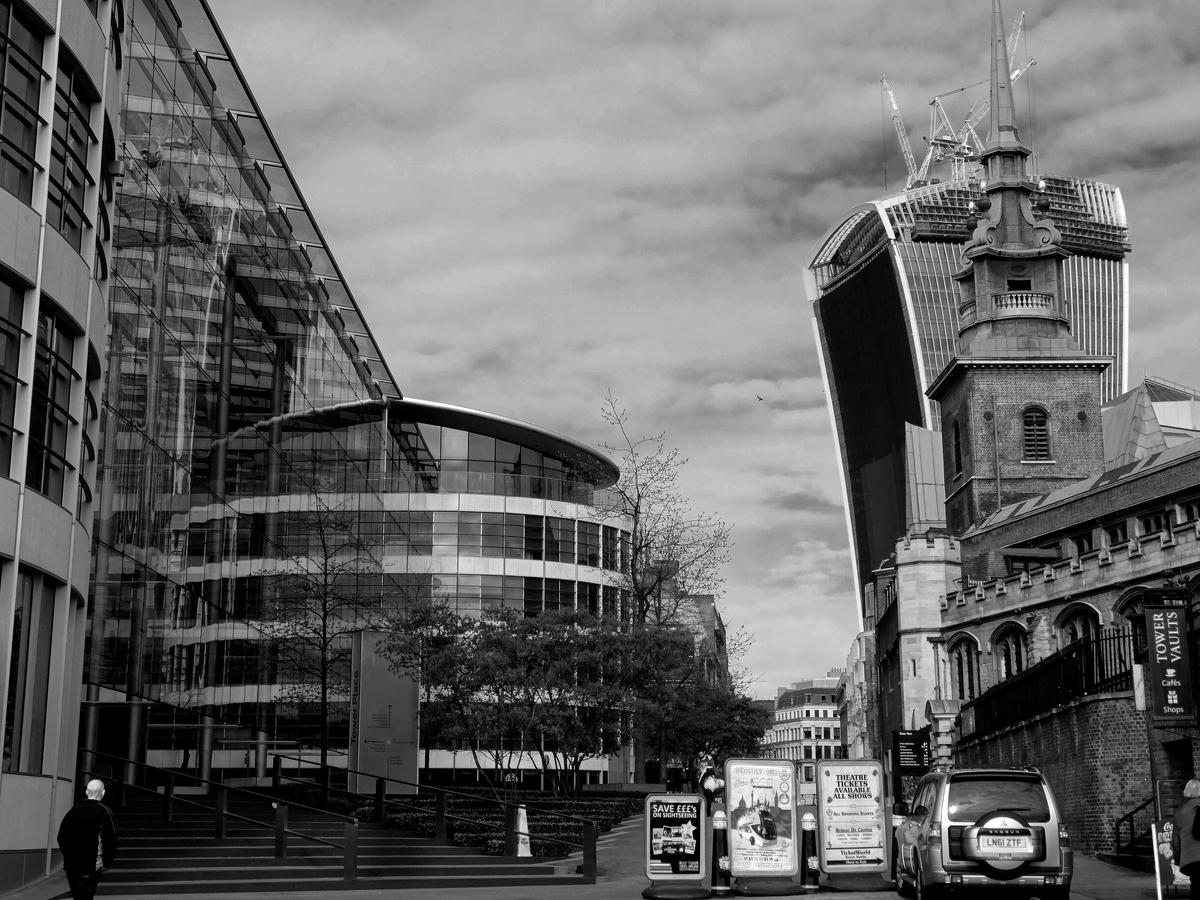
x=1004, y=843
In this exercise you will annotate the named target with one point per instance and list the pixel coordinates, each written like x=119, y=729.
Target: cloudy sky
x=537, y=203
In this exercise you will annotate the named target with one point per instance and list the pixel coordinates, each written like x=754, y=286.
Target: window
x=1153, y=524
x=611, y=548
x=1117, y=534
x=1190, y=511
x=808, y=734
x=11, y=306
x=1078, y=626
x=964, y=670
x=49, y=417
x=808, y=751
x=560, y=540
x=28, y=675
x=1082, y=544
x=1010, y=654
x=560, y=594
x=808, y=773
x=69, y=144
x=957, y=450
x=1020, y=284
x=589, y=597
x=21, y=57
x=589, y=544
x=1036, y=434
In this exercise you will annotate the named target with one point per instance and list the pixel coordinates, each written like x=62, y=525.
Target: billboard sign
x=911, y=750
x=760, y=795
x=1168, y=664
x=384, y=709
x=675, y=837
x=850, y=816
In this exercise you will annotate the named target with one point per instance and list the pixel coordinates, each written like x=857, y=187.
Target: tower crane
x=947, y=140
x=909, y=161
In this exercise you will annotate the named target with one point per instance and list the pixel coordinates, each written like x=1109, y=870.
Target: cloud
x=537, y=202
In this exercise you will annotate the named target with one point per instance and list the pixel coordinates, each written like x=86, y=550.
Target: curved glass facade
x=886, y=310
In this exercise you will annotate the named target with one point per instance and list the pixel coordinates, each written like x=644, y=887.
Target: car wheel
x=923, y=891
x=902, y=887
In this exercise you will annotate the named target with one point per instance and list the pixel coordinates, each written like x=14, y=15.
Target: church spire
x=1002, y=134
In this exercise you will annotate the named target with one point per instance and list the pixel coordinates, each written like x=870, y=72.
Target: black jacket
x=78, y=833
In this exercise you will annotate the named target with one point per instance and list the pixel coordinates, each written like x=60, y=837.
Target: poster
x=850, y=816
x=383, y=719
x=760, y=795
x=675, y=837
x=1168, y=666
x=1165, y=863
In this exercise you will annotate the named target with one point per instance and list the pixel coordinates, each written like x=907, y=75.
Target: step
x=111, y=887
x=288, y=869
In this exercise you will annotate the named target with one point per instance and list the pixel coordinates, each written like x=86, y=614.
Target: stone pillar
x=941, y=715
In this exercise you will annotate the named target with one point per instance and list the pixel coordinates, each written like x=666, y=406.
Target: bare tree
x=323, y=585
x=672, y=553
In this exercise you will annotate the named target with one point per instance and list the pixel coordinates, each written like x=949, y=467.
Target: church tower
x=1020, y=402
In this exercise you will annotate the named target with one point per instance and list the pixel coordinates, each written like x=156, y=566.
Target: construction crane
x=909, y=160
x=945, y=138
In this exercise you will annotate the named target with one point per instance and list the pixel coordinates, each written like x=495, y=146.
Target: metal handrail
x=1129, y=817
x=221, y=812
x=441, y=814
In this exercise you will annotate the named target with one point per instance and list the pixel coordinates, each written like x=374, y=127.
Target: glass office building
x=885, y=310
x=189, y=396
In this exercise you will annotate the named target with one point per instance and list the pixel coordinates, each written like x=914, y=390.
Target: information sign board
x=1168, y=664
x=912, y=752
x=760, y=795
x=675, y=837
x=383, y=719
x=850, y=816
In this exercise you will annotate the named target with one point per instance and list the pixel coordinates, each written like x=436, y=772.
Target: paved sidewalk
x=622, y=877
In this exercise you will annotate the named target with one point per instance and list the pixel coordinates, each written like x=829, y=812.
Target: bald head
x=95, y=789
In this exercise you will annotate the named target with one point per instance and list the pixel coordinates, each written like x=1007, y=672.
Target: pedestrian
x=1185, y=836
x=88, y=840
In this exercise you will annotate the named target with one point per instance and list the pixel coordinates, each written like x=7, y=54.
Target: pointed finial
x=1003, y=132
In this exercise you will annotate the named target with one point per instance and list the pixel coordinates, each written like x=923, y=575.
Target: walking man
x=88, y=840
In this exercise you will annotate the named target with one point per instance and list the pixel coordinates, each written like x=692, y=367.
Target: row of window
x=809, y=734
x=1010, y=653
x=449, y=533
x=824, y=752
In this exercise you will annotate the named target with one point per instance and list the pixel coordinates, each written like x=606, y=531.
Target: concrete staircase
x=183, y=856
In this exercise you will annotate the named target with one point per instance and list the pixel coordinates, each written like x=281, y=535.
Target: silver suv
x=982, y=828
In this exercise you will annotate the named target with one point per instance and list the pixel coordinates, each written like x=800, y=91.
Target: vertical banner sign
x=675, y=837
x=1166, y=865
x=850, y=816
x=760, y=795
x=383, y=719
x=1169, y=667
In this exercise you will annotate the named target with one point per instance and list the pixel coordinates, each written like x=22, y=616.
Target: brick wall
x=1094, y=754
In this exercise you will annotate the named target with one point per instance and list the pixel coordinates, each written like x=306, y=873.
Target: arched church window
x=1079, y=625
x=1036, y=434
x=1010, y=653
x=964, y=669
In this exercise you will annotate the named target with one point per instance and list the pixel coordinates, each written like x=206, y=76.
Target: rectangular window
x=492, y=537
x=491, y=591
x=589, y=597
x=69, y=144
x=445, y=533
x=49, y=416
x=560, y=540
x=589, y=544
x=20, y=85
x=534, y=537
x=808, y=734
x=28, y=675
x=11, y=308
x=532, y=596
x=611, y=548
x=560, y=594
x=808, y=751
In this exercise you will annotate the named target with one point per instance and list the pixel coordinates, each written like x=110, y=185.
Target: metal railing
x=441, y=813
x=1128, y=822
x=220, y=809
x=1098, y=663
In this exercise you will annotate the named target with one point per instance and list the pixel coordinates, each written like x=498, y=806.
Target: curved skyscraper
x=885, y=307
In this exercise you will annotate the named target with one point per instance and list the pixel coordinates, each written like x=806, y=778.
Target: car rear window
x=971, y=795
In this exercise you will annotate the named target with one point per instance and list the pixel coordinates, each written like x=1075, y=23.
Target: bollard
x=276, y=773
x=281, y=824
x=439, y=817
x=350, y=852
x=380, y=800
x=222, y=806
x=168, y=810
x=589, y=849
x=511, y=839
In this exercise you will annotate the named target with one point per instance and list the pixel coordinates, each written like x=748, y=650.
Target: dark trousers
x=1192, y=871
x=83, y=884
